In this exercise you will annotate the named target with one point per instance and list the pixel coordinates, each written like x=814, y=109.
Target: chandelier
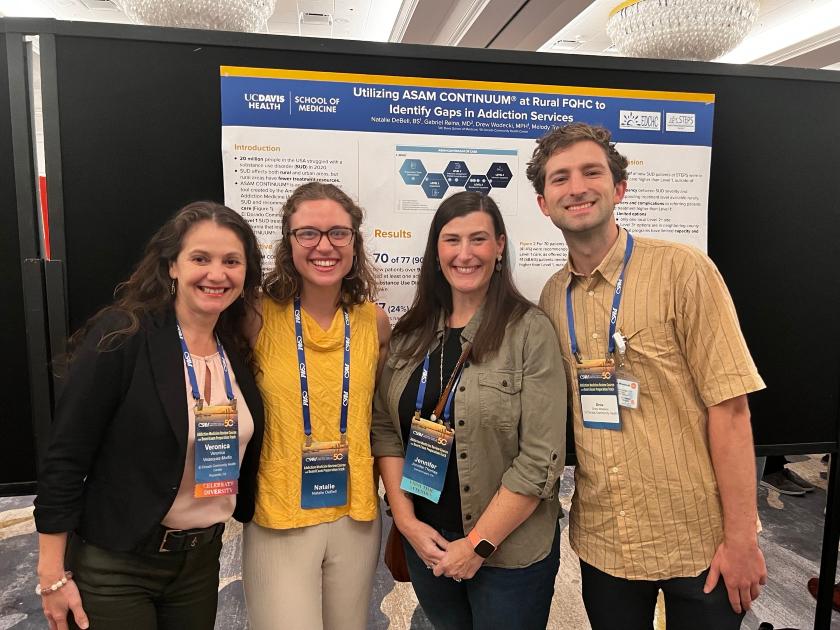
x=221, y=15
x=699, y=30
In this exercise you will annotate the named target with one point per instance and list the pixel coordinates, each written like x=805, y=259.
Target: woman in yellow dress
x=311, y=552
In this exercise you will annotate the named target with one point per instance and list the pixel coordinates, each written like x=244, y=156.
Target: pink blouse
x=187, y=512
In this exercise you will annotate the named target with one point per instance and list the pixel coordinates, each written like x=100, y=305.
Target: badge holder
x=324, y=474
x=628, y=385
x=216, y=450
x=430, y=441
x=598, y=390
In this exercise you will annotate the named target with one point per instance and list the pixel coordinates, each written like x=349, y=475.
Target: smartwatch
x=481, y=546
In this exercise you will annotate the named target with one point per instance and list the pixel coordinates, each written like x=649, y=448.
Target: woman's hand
x=427, y=542
x=57, y=604
x=460, y=561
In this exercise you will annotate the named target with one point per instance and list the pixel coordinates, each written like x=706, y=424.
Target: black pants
x=613, y=603
x=775, y=463
x=127, y=591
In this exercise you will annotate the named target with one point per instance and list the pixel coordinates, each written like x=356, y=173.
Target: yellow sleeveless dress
x=279, y=477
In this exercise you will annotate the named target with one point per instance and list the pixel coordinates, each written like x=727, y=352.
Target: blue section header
x=407, y=109
x=457, y=150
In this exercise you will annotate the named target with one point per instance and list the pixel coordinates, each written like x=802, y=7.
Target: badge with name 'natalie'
x=324, y=478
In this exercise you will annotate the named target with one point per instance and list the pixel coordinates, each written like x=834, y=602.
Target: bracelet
x=46, y=590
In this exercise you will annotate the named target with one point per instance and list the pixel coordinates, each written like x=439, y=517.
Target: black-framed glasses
x=310, y=237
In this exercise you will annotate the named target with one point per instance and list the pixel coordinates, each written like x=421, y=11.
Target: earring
x=499, y=263
x=438, y=263
x=172, y=288
x=242, y=295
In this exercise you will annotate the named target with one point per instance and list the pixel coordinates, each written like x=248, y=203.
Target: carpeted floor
x=790, y=538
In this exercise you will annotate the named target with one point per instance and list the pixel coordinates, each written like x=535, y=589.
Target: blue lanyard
x=613, y=314
x=421, y=391
x=191, y=369
x=304, y=383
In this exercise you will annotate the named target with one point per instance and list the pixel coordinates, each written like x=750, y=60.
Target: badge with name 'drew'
x=598, y=390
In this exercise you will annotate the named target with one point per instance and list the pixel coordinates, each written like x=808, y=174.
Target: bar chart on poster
x=401, y=145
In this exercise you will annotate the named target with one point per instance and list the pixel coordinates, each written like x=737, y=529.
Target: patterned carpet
x=790, y=539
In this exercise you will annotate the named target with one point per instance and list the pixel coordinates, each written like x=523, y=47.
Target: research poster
x=400, y=145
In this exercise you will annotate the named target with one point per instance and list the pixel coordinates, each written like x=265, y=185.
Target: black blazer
x=119, y=437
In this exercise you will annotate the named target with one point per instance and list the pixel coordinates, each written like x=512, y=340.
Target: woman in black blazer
x=141, y=499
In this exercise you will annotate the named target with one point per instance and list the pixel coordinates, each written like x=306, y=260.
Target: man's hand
x=460, y=561
x=743, y=571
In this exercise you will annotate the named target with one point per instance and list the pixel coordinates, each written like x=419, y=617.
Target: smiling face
x=325, y=264
x=210, y=270
x=468, y=249
x=580, y=194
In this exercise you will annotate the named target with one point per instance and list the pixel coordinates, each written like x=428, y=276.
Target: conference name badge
x=598, y=388
x=324, y=476
x=216, y=451
x=427, y=458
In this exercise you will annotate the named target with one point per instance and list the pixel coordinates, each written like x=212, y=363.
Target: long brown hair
x=148, y=291
x=503, y=304
x=283, y=283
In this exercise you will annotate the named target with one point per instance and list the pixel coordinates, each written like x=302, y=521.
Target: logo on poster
x=632, y=119
x=680, y=122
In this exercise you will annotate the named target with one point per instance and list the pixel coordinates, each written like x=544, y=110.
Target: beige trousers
x=310, y=578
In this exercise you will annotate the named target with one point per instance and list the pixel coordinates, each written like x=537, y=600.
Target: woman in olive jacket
x=487, y=552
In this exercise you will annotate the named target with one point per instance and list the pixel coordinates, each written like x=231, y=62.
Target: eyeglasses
x=310, y=237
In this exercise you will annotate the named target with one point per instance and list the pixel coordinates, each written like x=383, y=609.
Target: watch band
x=482, y=546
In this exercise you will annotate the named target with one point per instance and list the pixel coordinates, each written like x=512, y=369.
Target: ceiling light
x=680, y=29
x=222, y=15
x=809, y=23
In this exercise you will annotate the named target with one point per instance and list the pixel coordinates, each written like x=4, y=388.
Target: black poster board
x=17, y=446
x=141, y=136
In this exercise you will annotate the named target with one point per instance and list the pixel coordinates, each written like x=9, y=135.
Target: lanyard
x=613, y=314
x=191, y=369
x=450, y=387
x=304, y=383
x=421, y=391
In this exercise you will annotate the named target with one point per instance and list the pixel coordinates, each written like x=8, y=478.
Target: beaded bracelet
x=68, y=575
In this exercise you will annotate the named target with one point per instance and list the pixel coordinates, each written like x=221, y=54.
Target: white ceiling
x=790, y=32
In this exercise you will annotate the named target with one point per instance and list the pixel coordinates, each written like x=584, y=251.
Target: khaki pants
x=310, y=578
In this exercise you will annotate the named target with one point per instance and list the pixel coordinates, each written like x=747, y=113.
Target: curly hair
x=148, y=291
x=283, y=283
x=564, y=137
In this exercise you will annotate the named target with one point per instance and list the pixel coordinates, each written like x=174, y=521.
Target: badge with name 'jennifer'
x=324, y=478
x=427, y=458
x=598, y=390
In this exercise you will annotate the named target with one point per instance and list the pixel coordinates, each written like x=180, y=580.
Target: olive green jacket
x=510, y=426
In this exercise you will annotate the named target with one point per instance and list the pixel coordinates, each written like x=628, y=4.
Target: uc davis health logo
x=632, y=119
